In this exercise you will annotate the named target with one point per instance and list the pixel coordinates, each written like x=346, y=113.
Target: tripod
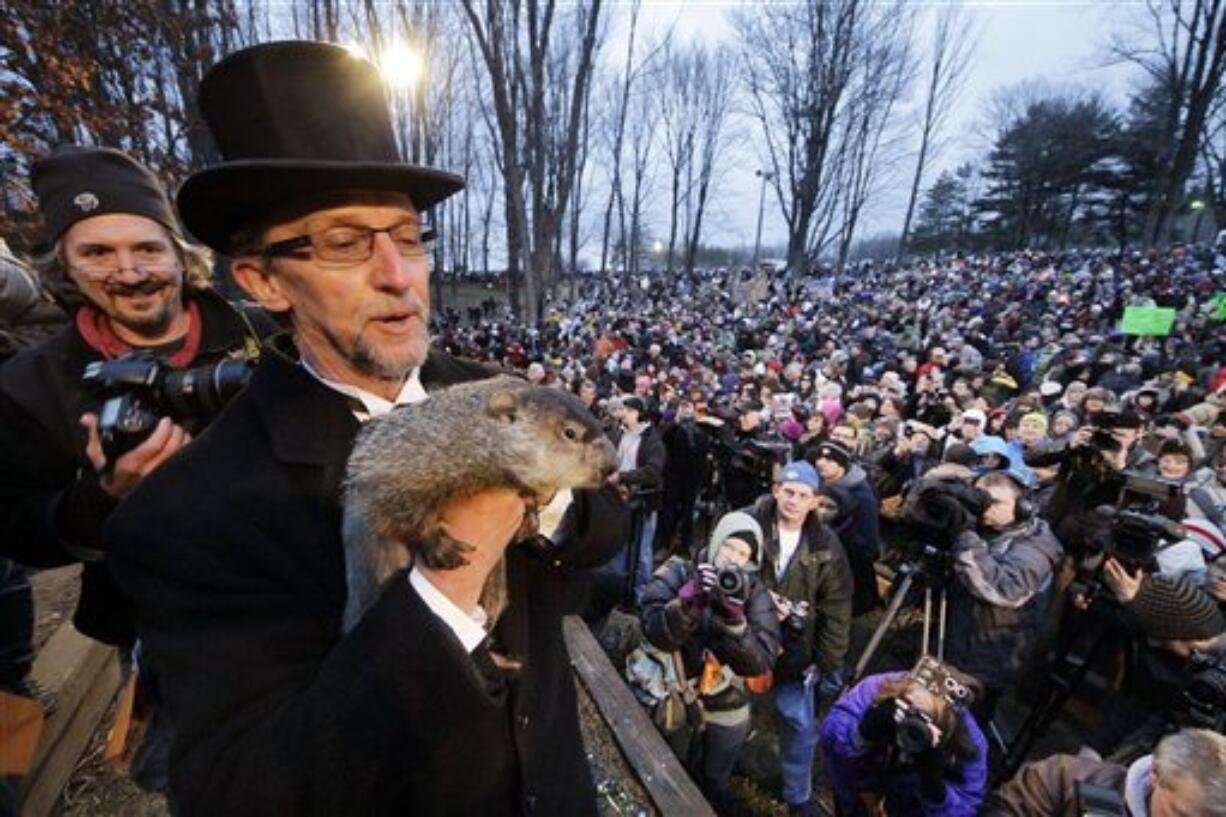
x=933, y=566
x=1069, y=670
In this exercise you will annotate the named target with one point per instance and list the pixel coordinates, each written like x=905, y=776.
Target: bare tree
x=798, y=61
x=887, y=70
x=950, y=53
x=516, y=42
x=1182, y=48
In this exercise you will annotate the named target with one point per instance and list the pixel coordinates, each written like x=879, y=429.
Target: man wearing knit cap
x=118, y=262
x=804, y=565
x=857, y=525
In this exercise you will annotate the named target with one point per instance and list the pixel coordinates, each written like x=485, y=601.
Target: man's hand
x=130, y=468
x=1123, y=584
x=1081, y=437
x=487, y=520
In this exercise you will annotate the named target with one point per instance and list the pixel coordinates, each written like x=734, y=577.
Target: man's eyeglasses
x=102, y=271
x=346, y=246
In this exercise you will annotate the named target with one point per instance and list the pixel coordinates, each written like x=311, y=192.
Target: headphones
x=1024, y=508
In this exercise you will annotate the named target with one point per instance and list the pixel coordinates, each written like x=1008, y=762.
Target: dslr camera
x=138, y=389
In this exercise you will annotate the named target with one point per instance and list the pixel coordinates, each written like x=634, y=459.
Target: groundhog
x=405, y=466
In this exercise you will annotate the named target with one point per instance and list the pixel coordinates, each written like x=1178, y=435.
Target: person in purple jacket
x=906, y=740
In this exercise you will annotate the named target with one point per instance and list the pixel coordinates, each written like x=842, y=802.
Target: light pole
x=765, y=176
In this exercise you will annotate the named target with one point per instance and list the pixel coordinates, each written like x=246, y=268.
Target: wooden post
x=83, y=675
x=662, y=775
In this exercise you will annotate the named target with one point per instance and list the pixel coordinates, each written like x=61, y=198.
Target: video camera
x=1203, y=700
x=138, y=389
x=937, y=511
x=1135, y=527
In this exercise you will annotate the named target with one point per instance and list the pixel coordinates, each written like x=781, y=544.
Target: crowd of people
x=796, y=449
x=832, y=414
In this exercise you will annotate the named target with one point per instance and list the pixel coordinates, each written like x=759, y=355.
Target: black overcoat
x=233, y=558
x=51, y=505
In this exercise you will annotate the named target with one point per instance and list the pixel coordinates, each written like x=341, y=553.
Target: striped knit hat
x=1168, y=609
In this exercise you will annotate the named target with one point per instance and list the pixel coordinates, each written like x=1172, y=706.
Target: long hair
x=956, y=742
x=52, y=269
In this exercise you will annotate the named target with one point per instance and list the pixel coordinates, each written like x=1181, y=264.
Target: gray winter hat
x=732, y=524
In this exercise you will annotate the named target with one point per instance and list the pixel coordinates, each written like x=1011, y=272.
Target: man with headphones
x=1004, y=570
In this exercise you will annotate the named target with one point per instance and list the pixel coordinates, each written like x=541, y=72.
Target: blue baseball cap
x=802, y=472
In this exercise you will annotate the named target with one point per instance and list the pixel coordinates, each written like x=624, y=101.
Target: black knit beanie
x=75, y=183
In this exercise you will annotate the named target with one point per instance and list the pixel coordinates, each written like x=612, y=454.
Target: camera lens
x=731, y=582
x=912, y=734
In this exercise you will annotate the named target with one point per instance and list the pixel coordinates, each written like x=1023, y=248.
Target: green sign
x=1218, y=302
x=1147, y=320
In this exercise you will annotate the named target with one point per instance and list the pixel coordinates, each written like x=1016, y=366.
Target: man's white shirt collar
x=374, y=405
x=468, y=627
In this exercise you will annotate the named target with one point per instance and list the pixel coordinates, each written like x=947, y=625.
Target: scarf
x=95, y=329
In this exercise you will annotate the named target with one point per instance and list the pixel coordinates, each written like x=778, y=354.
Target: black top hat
x=295, y=120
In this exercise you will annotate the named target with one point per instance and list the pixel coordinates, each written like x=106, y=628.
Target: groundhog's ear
x=503, y=405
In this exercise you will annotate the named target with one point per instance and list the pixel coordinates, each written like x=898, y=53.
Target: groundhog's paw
x=443, y=552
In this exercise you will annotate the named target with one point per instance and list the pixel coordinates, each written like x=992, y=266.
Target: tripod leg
x=941, y=625
x=927, y=620
x=900, y=595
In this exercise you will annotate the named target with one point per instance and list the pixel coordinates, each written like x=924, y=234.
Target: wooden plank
x=658, y=769
x=83, y=676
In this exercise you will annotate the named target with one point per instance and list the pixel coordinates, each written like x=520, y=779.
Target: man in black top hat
x=240, y=592
x=119, y=264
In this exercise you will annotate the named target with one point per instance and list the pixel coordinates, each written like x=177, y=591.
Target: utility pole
x=757, y=242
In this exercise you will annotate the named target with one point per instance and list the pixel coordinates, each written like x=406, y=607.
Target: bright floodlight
x=357, y=51
x=401, y=66
x=657, y=247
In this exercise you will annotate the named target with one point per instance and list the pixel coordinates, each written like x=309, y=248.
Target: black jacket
x=817, y=573
x=51, y=505
x=239, y=589
x=649, y=464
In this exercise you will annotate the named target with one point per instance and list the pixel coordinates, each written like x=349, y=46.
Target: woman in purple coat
x=906, y=740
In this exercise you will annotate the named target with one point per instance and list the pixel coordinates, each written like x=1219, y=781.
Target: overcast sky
x=1059, y=42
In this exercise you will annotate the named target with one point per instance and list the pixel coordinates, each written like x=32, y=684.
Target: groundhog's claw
x=444, y=552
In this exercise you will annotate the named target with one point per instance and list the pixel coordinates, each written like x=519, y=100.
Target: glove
x=931, y=768
x=728, y=608
x=877, y=725
x=693, y=597
x=709, y=576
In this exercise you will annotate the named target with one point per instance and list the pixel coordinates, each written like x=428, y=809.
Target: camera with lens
x=936, y=511
x=912, y=729
x=1132, y=538
x=794, y=612
x=730, y=582
x=1202, y=702
x=138, y=389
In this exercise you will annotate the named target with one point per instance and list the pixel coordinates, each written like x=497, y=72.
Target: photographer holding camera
x=1004, y=568
x=119, y=263
x=1091, y=473
x=806, y=569
x=906, y=744
x=717, y=613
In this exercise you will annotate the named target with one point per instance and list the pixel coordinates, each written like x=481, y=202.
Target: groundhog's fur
x=405, y=466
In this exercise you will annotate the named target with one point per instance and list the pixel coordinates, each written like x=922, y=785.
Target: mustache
x=146, y=287
x=410, y=302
